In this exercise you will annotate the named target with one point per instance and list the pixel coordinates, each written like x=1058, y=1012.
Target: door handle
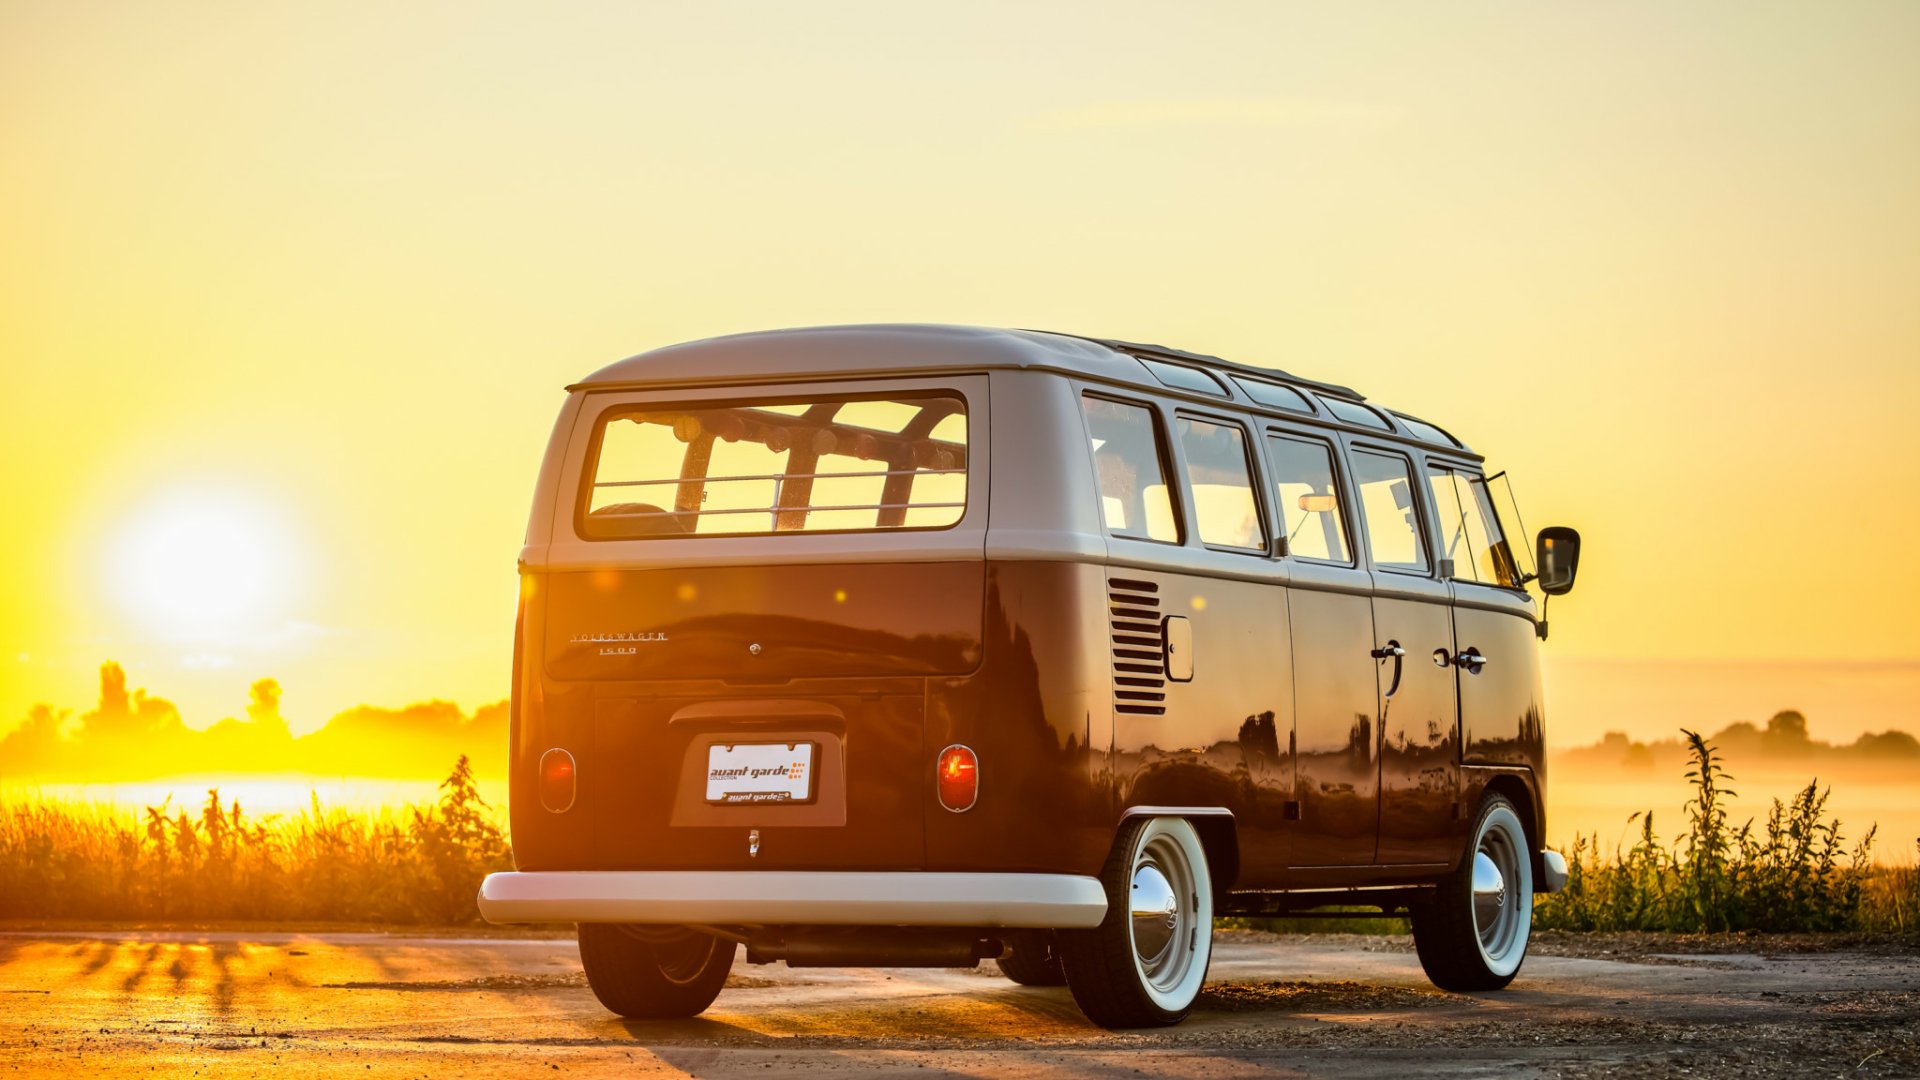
x=1471, y=660
x=1391, y=651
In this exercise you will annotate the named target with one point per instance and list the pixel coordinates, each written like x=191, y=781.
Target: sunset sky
x=289, y=294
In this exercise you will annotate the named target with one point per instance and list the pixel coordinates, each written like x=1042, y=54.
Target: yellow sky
x=325, y=271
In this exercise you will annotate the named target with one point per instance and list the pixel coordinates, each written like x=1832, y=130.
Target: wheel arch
x=1517, y=788
x=1219, y=837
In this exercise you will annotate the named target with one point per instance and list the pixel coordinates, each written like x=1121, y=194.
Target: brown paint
x=1270, y=718
x=1336, y=691
x=1419, y=747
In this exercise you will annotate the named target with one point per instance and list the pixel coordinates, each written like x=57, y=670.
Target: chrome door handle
x=1391, y=651
x=1470, y=660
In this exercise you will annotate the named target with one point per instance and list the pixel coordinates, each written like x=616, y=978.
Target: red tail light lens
x=558, y=781
x=957, y=776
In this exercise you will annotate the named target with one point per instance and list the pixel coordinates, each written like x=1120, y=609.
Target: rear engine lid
x=752, y=624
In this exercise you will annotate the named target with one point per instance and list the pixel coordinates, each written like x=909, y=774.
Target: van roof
x=914, y=349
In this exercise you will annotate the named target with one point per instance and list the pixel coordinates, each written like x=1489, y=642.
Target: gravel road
x=289, y=1004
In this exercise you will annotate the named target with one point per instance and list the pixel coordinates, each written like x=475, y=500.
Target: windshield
x=1472, y=544
x=1506, y=508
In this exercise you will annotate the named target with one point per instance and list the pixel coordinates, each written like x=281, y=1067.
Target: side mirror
x=1557, y=558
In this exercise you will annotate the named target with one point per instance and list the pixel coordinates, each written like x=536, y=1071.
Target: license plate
x=760, y=772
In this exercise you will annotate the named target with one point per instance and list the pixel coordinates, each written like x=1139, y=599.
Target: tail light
x=558, y=780
x=957, y=776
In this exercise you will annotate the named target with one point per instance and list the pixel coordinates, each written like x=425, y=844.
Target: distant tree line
x=1784, y=738
x=132, y=735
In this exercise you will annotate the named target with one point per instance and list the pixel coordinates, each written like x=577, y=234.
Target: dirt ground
x=275, y=1002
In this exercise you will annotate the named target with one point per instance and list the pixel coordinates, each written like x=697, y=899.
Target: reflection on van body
x=1044, y=648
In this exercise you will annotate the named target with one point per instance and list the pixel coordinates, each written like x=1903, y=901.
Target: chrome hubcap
x=1498, y=911
x=1162, y=913
x=1156, y=912
x=1487, y=880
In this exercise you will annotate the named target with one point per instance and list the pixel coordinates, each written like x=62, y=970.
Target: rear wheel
x=1033, y=961
x=1472, y=933
x=1143, y=965
x=654, y=972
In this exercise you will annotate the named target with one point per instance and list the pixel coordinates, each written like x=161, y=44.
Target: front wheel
x=654, y=972
x=1472, y=933
x=1143, y=965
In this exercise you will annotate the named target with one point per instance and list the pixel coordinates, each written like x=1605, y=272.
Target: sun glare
x=203, y=565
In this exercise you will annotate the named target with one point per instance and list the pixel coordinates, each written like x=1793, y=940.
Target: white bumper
x=1553, y=876
x=786, y=897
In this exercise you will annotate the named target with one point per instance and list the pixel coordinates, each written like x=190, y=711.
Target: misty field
x=1790, y=870
x=1793, y=870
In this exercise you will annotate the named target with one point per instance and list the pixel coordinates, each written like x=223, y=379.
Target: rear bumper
x=782, y=897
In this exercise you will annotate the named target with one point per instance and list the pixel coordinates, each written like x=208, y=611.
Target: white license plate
x=760, y=772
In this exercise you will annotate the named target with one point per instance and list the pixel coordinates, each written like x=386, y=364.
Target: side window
x=1387, y=500
x=1308, y=499
x=1128, y=457
x=1221, y=481
x=1471, y=547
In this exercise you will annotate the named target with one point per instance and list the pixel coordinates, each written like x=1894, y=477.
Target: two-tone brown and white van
x=914, y=645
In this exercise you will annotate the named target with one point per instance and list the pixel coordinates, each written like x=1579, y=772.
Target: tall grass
x=421, y=866
x=1793, y=873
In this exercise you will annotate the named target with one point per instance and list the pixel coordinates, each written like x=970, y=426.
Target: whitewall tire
x=1472, y=933
x=1143, y=966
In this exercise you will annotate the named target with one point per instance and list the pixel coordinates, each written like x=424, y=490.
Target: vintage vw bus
x=914, y=645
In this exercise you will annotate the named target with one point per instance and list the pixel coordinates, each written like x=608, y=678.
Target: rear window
x=839, y=464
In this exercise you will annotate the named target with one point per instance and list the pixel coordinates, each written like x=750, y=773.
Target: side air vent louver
x=1139, y=662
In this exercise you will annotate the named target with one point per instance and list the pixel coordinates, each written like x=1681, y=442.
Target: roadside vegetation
x=1793, y=872
x=422, y=865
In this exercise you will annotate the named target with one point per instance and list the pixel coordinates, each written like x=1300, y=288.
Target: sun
x=200, y=565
